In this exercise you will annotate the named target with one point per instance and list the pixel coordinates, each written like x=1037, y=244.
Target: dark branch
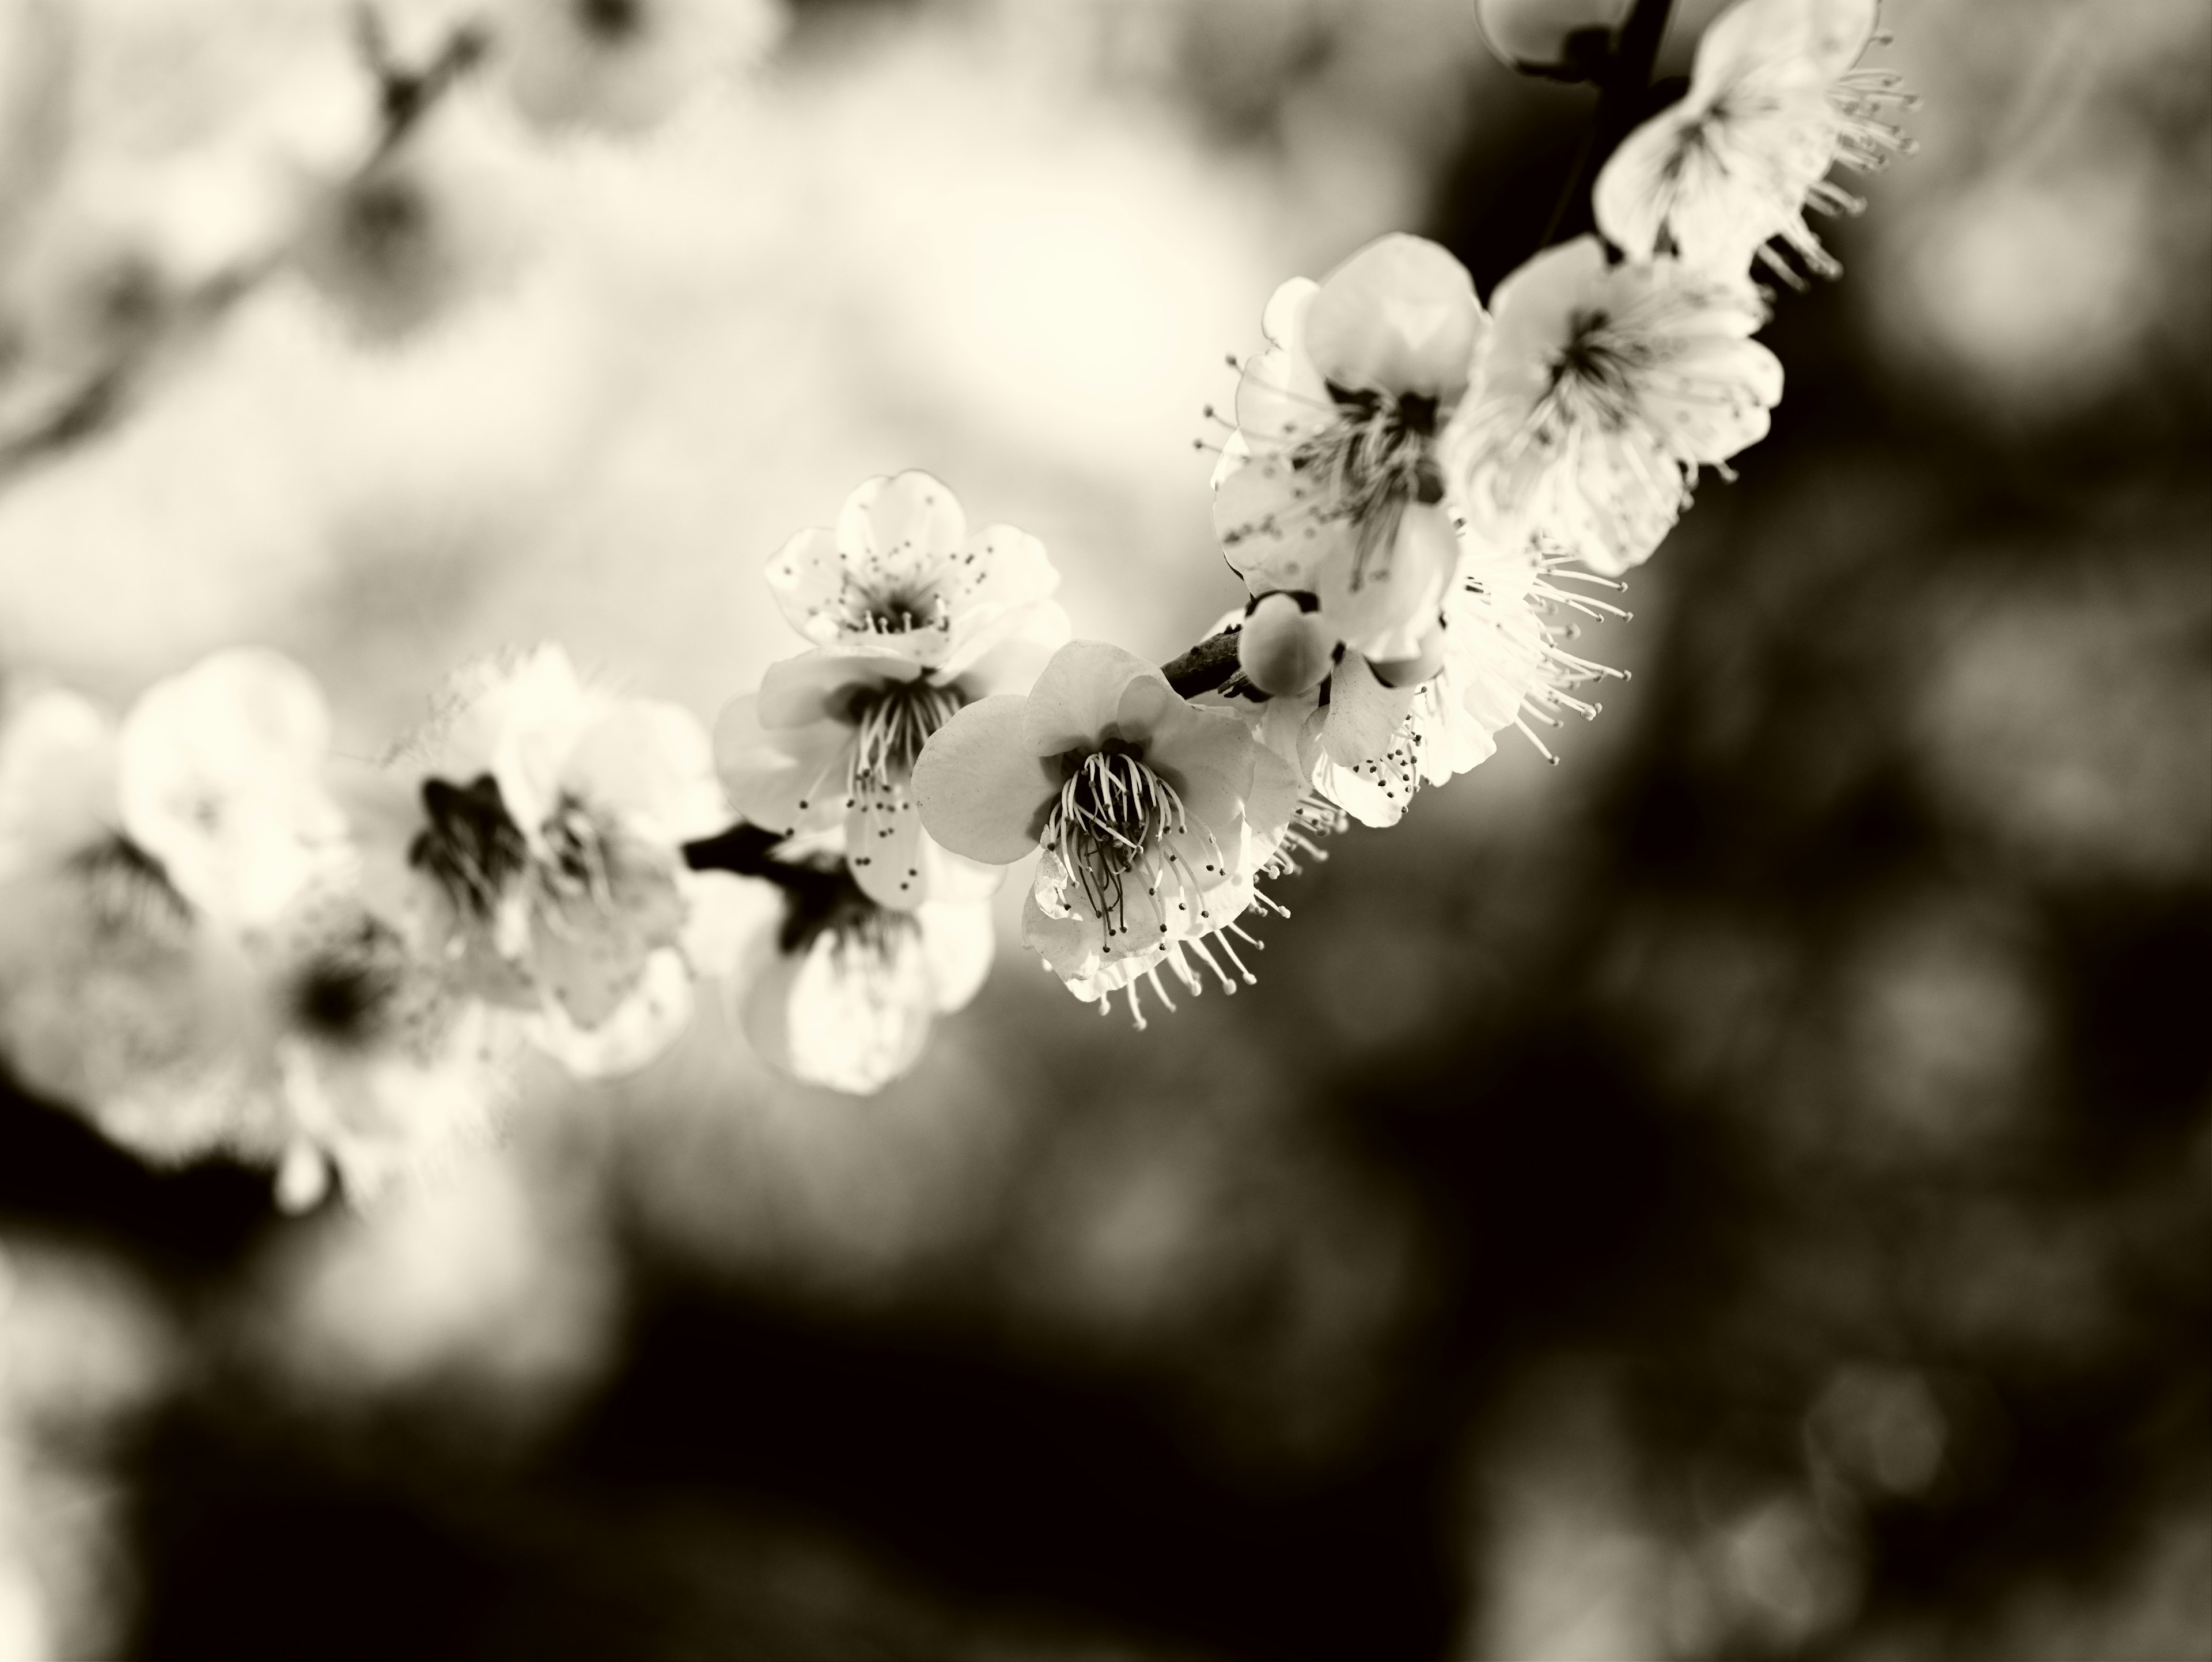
x=1623, y=88
x=1205, y=666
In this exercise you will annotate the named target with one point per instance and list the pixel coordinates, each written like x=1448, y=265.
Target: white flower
x=1368, y=747
x=542, y=856
x=1774, y=101
x=1332, y=485
x=368, y=1065
x=116, y=999
x=221, y=778
x=1607, y=387
x=622, y=65
x=1154, y=817
x=913, y=619
x=828, y=985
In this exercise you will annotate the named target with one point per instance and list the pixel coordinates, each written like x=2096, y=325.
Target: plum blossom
x=1367, y=747
x=621, y=66
x=828, y=985
x=1774, y=99
x=912, y=617
x=116, y=999
x=539, y=861
x=366, y=1066
x=1332, y=483
x=1154, y=817
x=1607, y=387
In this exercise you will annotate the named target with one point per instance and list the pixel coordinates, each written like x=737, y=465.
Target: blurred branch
x=1622, y=85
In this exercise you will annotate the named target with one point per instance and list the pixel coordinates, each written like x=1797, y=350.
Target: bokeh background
x=1745, y=1192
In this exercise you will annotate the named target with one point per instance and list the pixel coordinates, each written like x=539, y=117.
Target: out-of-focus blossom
x=1154, y=817
x=829, y=985
x=442, y=217
x=1607, y=387
x=1565, y=39
x=540, y=862
x=1368, y=746
x=220, y=778
x=622, y=65
x=1332, y=483
x=913, y=619
x=366, y=1064
x=1774, y=99
x=115, y=997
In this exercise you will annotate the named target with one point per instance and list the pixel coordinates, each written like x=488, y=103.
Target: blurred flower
x=541, y=862
x=829, y=985
x=1332, y=485
x=622, y=65
x=115, y=998
x=1154, y=817
x=367, y=1066
x=1774, y=101
x=1566, y=39
x=220, y=778
x=442, y=216
x=1606, y=388
x=913, y=619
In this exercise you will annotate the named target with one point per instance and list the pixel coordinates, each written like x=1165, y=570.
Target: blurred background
x=1744, y=1192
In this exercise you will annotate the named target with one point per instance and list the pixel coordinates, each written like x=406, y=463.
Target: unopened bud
x=1560, y=40
x=1411, y=672
x=1283, y=650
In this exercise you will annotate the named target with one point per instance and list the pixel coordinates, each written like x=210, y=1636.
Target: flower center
x=471, y=848
x=1113, y=815
x=896, y=608
x=347, y=990
x=128, y=894
x=1377, y=457
x=892, y=724
x=1595, y=373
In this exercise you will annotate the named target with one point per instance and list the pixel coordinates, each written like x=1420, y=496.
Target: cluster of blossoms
x=216, y=934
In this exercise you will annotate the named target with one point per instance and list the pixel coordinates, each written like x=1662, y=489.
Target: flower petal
x=1078, y=699
x=958, y=942
x=783, y=779
x=819, y=685
x=983, y=790
x=652, y=765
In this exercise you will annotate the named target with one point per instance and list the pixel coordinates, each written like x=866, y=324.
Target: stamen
x=1114, y=815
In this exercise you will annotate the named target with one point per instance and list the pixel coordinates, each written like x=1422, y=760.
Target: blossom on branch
x=827, y=984
x=1154, y=817
x=1367, y=747
x=1332, y=483
x=913, y=619
x=1606, y=388
x=539, y=860
x=1774, y=99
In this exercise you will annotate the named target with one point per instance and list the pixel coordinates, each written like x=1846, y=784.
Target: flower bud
x=1559, y=39
x=1411, y=672
x=1284, y=649
x=1400, y=316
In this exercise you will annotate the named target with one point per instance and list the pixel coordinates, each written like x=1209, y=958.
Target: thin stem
x=1621, y=87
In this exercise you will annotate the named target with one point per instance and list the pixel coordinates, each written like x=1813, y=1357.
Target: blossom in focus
x=1154, y=817
x=1607, y=387
x=621, y=65
x=828, y=985
x=1332, y=483
x=912, y=617
x=540, y=863
x=1367, y=747
x=1775, y=99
